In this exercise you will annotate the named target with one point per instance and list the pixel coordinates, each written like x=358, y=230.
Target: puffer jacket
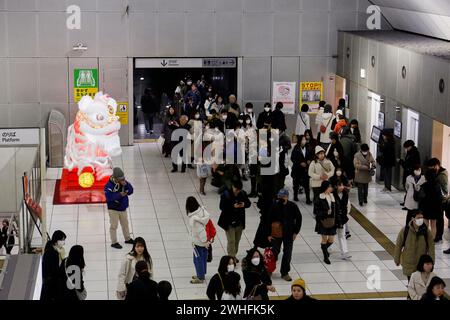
x=197, y=226
x=415, y=246
x=318, y=168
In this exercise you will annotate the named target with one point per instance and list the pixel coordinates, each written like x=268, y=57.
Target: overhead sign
x=85, y=83
x=122, y=112
x=19, y=136
x=284, y=92
x=311, y=93
x=186, y=63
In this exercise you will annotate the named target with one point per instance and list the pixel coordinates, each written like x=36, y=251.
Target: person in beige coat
x=364, y=170
x=420, y=279
x=127, y=271
x=321, y=169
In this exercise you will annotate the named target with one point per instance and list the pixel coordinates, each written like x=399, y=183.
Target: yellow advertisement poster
x=311, y=93
x=122, y=112
x=78, y=93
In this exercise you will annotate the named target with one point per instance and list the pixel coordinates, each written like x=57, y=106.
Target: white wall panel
x=355, y=74
x=52, y=34
x=171, y=34
x=258, y=35
x=4, y=119
x=314, y=33
x=112, y=35
x=143, y=34
x=286, y=5
x=200, y=36
x=53, y=80
x=286, y=34
x=285, y=69
x=228, y=34
x=22, y=25
x=341, y=54
x=364, y=61
x=372, y=71
x=23, y=80
x=340, y=20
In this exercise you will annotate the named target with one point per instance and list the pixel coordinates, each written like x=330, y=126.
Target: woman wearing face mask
x=69, y=291
x=216, y=284
x=325, y=213
x=311, y=143
x=413, y=185
x=325, y=126
x=251, y=152
x=265, y=117
x=54, y=254
x=421, y=279
x=257, y=280
x=364, y=170
x=301, y=159
x=435, y=290
x=321, y=169
x=250, y=113
x=343, y=206
x=127, y=272
x=303, y=121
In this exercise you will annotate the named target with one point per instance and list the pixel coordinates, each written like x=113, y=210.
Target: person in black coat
x=257, y=280
x=412, y=159
x=265, y=118
x=170, y=124
x=301, y=157
x=387, y=159
x=232, y=217
x=164, y=290
x=278, y=118
x=216, y=284
x=149, y=108
x=183, y=124
x=324, y=211
x=7, y=236
x=431, y=204
x=72, y=267
x=51, y=261
x=354, y=130
x=287, y=214
x=285, y=146
x=341, y=193
x=142, y=288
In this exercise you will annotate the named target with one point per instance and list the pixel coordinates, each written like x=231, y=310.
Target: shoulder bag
x=81, y=295
x=323, y=128
x=253, y=295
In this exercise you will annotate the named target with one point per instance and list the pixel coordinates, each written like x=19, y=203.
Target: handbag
x=210, y=254
x=277, y=230
x=253, y=295
x=81, y=295
x=323, y=128
x=372, y=172
x=328, y=222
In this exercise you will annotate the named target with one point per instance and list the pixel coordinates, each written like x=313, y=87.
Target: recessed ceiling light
x=142, y=78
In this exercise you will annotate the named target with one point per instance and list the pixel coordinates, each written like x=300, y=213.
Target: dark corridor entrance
x=163, y=83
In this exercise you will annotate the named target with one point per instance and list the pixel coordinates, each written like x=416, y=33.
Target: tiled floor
x=157, y=214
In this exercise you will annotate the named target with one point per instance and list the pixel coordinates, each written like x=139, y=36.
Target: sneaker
x=447, y=251
x=129, y=241
x=197, y=281
x=361, y=204
x=286, y=277
x=345, y=256
x=116, y=245
x=194, y=277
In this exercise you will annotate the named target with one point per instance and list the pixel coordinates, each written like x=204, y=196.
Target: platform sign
x=85, y=82
x=19, y=137
x=284, y=92
x=311, y=93
x=122, y=112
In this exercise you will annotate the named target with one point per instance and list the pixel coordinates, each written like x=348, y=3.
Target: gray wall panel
x=200, y=36
x=363, y=59
x=4, y=81
x=257, y=5
x=313, y=5
x=285, y=69
x=414, y=75
x=340, y=20
x=229, y=34
x=355, y=74
x=87, y=35
x=313, y=68
x=22, y=25
x=426, y=85
x=229, y=6
x=441, y=100
x=23, y=80
x=258, y=35
x=341, y=54
x=199, y=5
x=4, y=119
x=402, y=84
x=51, y=5
x=346, y=5
x=286, y=34
x=52, y=34
x=174, y=5
x=372, y=71
x=53, y=83
x=286, y=5
x=21, y=5
x=112, y=35
x=85, y=5
x=25, y=115
x=3, y=23
x=143, y=34
x=256, y=78
x=348, y=55
x=112, y=5
x=142, y=5
x=171, y=34
x=314, y=31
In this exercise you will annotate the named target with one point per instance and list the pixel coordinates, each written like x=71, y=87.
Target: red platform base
x=68, y=191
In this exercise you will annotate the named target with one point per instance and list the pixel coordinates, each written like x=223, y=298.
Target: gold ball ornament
x=86, y=180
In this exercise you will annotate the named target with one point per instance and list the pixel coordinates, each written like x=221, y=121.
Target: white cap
x=319, y=149
x=339, y=112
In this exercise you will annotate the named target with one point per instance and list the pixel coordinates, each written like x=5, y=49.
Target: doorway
x=374, y=107
x=412, y=126
x=163, y=76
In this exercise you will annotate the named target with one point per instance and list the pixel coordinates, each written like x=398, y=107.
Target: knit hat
x=118, y=173
x=299, y=283
x=283, y=193
x=319, y=149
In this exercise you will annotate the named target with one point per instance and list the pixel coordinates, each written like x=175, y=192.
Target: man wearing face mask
x=117, y=191
x=364, y=171
x=413, y=241
x=265, y=117
x=285, y=221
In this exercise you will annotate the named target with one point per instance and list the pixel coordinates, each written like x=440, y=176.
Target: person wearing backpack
x=414, y=191
x=413, y=241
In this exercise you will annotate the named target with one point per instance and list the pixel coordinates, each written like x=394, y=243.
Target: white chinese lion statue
x=94, y=136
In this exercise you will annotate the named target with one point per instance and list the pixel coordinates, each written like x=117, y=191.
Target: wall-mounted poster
x=381, y=120
x=284, y=92
x=85, y=83
x=398, y=129
x=311, y=93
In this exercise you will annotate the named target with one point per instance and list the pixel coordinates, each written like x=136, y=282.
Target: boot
x=325, y=253
x=295, y=196
x=329, y=244
x=253, y=193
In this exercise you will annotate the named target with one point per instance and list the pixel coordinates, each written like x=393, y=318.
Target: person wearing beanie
x=117, y=191
x=303, y=121
x=321, y=169
x=285, y=222
x=298, y=292
x=325, y=213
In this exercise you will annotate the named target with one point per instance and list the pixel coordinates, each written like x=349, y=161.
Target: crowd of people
x=329, y=165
